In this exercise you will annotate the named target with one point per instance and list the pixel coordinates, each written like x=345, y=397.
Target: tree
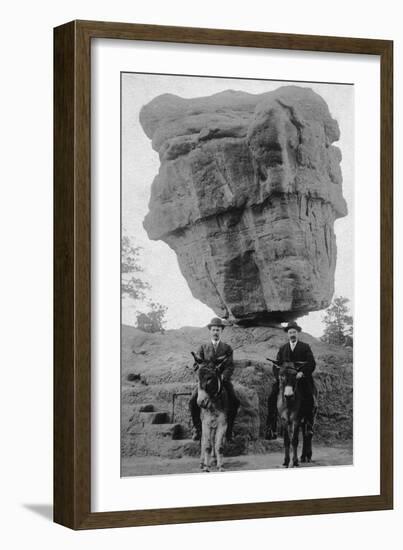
x=338, y=323
x=131, y=285
x=135, y=288
x=154, y=319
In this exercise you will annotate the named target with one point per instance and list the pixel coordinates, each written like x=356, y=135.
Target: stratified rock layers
x=247, y=194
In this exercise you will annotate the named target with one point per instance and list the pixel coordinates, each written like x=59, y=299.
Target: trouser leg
x=195, y=413
x=308, y=399
x=271, y=428
x=233, y=406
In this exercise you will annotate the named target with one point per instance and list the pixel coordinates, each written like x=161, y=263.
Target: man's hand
x=300, y=375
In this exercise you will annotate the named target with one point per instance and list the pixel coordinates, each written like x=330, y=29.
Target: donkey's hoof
x=201, y=466
x=304, y=459
x=286, y=463
x=205, y=469
x=295, y=464
x=221, y=469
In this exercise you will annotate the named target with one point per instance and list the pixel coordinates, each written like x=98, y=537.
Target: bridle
x=216, y=369
x=295, y=385
x=218, y=375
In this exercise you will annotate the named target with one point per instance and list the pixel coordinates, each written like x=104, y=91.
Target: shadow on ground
x=44, y=510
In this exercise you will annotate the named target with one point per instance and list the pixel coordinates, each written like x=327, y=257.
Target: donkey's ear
x=197, y=359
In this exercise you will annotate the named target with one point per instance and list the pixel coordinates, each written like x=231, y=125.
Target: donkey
x=296, y=410
x=213, y=402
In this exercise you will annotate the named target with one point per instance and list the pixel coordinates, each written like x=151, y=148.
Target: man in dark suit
x=299, y=353
x=215, y=351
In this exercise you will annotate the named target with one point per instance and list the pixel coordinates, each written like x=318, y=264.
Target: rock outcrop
x=247, y=194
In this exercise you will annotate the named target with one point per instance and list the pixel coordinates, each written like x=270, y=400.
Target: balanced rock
x=247, y=194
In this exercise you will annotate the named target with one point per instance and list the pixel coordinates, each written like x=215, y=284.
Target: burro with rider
x=297, y=355
x=216, y=352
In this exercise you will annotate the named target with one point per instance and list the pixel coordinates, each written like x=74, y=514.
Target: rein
x=220, y=385
x=198, y=363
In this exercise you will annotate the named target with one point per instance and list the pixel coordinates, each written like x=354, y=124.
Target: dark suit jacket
x=302, y=352
x=207, y=353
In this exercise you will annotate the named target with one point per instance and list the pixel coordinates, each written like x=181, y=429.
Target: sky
x=140, y=164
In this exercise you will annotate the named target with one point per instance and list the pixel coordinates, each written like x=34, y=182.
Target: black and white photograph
x=236, y=274
x=200, y=283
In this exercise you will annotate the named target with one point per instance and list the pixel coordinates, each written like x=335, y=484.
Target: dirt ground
x=152, y=465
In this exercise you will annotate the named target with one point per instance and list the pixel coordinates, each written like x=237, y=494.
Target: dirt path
x=152, y=465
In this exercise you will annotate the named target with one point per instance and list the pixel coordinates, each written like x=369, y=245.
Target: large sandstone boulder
x=247, y=194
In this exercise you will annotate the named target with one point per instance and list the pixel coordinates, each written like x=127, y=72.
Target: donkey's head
x=209, y=378
x=288, y=380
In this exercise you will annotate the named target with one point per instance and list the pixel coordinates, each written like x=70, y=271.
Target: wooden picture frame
x=72, y=271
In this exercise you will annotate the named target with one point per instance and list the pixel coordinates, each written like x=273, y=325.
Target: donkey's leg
x=206, y=444
x=286, y=433
x=310, y=425
x=309, y=434
x=294, y=441
x=203, y=445
x=219, y=441
x=304, y=442
x=207, y=456
x=213, y=436
x=309, y=430
x=202, y=454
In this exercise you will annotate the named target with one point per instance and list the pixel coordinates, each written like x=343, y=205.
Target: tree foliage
x=338, y=323
x=132, y=285
x=153, y=320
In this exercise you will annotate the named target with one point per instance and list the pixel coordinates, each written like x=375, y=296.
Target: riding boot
x=195, y=414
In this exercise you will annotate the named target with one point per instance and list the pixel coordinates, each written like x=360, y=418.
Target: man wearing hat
x=298, y=352
x=214, y=351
